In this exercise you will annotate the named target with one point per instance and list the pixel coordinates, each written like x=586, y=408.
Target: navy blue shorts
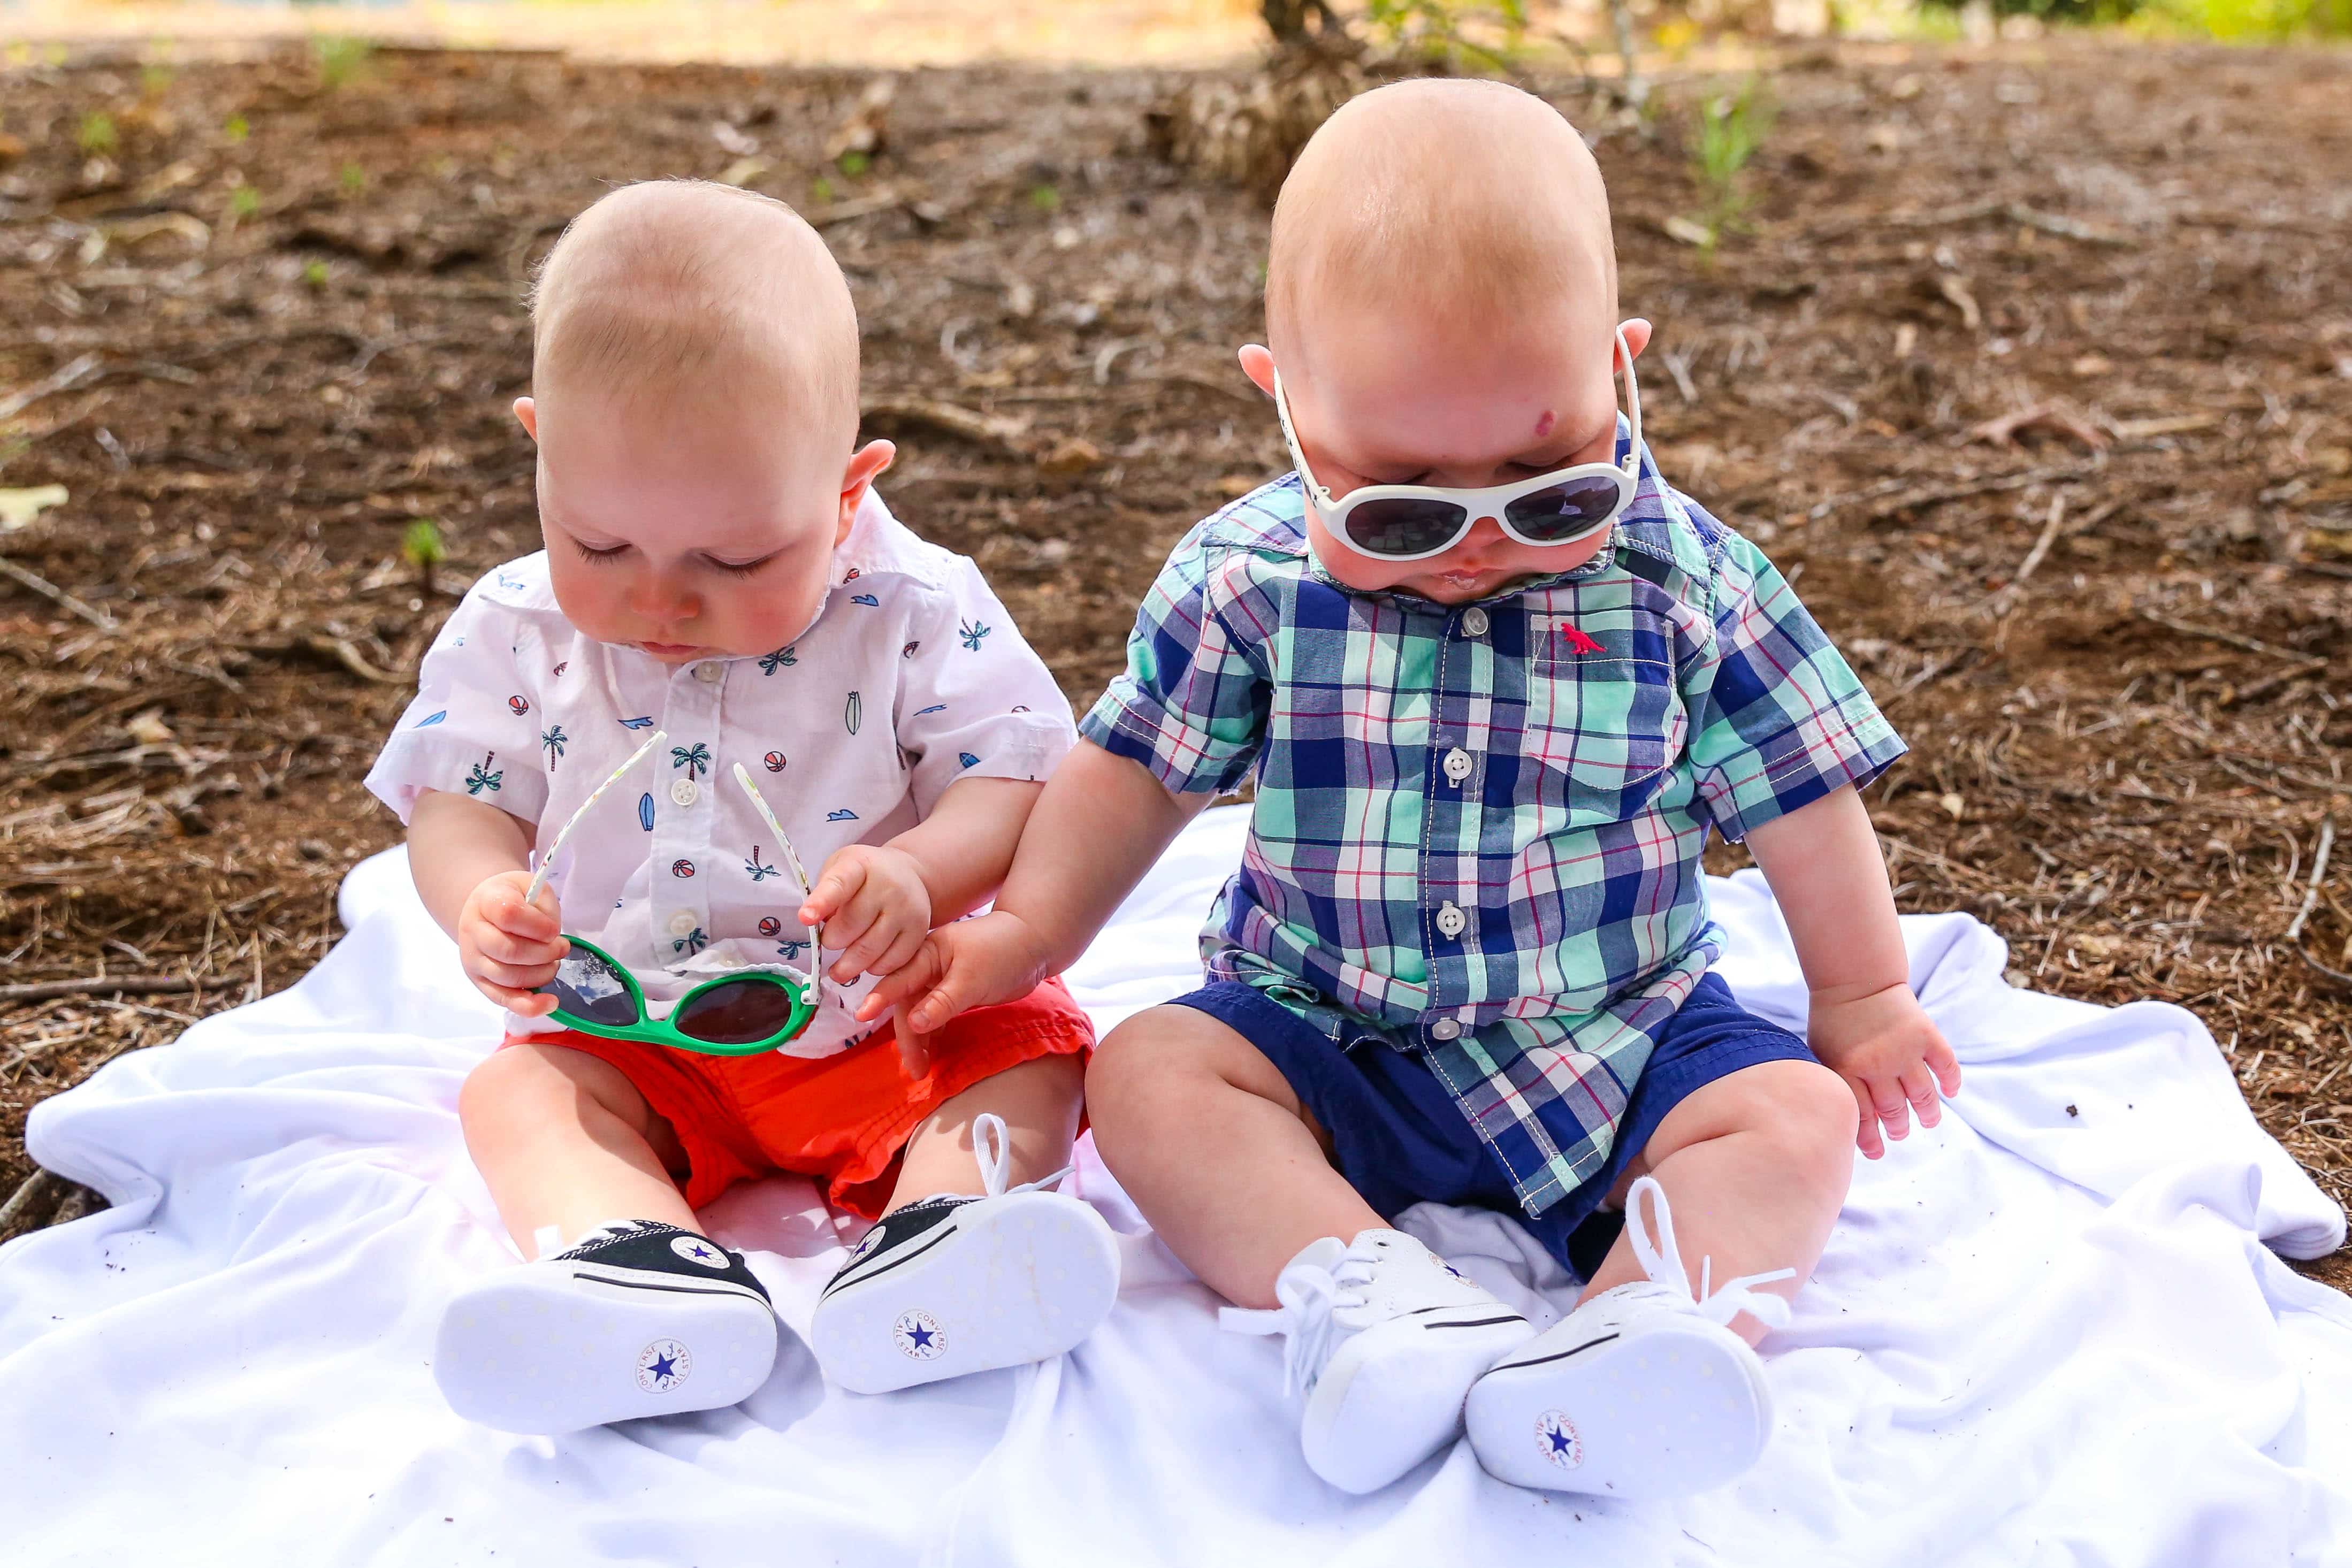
x=1400, y=1139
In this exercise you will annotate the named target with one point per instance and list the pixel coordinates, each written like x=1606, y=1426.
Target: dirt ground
x=2035, y=372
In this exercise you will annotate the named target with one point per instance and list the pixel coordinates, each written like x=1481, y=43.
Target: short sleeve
x=974, y=700
x=1778, y=718
x=1190, y=705
x=473, y=729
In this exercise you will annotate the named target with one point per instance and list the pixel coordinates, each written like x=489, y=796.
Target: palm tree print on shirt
x=481, y=778
x=759, y=872
x=971, y=631
x=553, y=738
x=770, y=663
x=694, y=759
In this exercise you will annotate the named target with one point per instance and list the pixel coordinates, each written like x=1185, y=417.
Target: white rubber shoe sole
x=1025, y=1277
x=1393, y=1395
x=1667, y=1406
x=558, y=1346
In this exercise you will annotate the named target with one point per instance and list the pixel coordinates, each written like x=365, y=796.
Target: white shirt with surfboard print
x=911, y=677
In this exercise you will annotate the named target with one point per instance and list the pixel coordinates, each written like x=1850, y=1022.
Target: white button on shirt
x=1450, y=921
x=911, y=677
x=1447, y=1029
x=1474, y=622
x=1457, y=765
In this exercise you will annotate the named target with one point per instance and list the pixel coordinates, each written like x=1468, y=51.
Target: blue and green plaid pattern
x=1608, y=718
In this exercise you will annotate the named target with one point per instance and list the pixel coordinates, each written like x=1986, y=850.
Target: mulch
x=2034, y=370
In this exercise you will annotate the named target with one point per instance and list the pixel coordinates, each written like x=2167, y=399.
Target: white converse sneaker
x=1385, y=1338
x=957, y=1284
x=637, y=1318
x=1642, y=1391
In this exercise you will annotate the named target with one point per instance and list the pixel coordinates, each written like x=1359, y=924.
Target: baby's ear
x=865, y=465
x=526, y=412
x=1257, y=363
x=1637, y=337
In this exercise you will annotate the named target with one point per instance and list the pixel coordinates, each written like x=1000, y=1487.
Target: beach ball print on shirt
x=682, y=869
x=770, y=927
x=773, y=762
x=521, y=706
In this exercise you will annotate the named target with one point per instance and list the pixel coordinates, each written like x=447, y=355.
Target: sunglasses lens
x=1402, y=526
x=1562, y=512
x=736, y=1012
x=586, y=987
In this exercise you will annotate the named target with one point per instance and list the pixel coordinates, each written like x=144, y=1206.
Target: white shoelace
x=996, y=1163
x=1663, y=1262
x=1308, y=1294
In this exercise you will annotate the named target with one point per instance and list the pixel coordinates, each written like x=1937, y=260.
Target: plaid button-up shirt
x=1477, y=828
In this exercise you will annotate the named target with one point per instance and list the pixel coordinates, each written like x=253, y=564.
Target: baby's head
x=694, y=380
x=1441, y=300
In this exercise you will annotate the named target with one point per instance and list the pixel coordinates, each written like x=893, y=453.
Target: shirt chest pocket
x=1606, y=728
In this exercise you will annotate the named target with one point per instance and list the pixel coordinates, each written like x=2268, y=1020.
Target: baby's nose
x=663, y=599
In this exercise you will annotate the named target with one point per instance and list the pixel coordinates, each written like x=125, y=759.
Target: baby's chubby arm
x=1100, y=824
x=1829, y=878
x=471, y=862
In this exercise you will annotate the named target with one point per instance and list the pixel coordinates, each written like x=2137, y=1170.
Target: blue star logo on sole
x=695, y=1250
x=919, y=1336
x=1557, y=1440
x=663, y=1365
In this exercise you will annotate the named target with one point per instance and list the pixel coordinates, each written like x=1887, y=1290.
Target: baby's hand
x=964, y=965
x=874, y=906
x=509, y=948
x=1892, y=1057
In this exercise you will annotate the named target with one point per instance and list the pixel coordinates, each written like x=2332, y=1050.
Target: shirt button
x=684, y=924
x=1446, y=1028
x=1450, y=921
x=1457, y=765
x=684, y=791
x=1474, y=622
x=709, y=671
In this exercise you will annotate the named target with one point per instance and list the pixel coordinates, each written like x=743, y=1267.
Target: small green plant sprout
x=341, y=59
x=236, y=129
x=154, y=80
x=422, y=548
x=352, y=179
x=244, y=202
x=820, y=190
x=98, y=136
x=1726, y=132
x=854, y=163
x=1046, y=198
x=314, y=273
x=1453, y=31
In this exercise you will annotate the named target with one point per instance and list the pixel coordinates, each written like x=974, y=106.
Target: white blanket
x=2049, y=1333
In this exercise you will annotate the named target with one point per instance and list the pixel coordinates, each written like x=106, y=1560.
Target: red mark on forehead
x=1544, y=422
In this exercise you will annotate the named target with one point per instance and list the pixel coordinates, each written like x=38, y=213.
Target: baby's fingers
x=507, y=948
x=911, y=989
x=1919, y=1089
x=1944, y=1064
x=514, y=976
x=503, y=909
x=1866, y=1137
x=836, y=886
x=914, y=1052
x=1893, y=1112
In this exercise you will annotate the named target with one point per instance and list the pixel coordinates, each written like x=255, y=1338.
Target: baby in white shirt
x=729, y=660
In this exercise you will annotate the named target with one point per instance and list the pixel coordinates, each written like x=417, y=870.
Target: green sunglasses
x=742, y=1014
x=733, y=1015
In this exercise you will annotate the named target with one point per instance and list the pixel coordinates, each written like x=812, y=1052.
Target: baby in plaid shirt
x=1496, y=681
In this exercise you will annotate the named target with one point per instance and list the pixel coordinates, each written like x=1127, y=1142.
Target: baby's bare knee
x=1138, y=1080
x=1810, y=1113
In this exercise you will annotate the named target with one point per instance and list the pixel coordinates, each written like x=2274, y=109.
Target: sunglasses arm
x=799, y=874
x=547, y=861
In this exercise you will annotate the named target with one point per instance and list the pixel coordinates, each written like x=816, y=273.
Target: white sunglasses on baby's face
x=1414, y=522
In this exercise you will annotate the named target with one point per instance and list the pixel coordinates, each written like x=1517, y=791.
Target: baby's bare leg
x=1039, y=1102
x=1207, y=1137
x=562, y=1138
x=1755, y=1165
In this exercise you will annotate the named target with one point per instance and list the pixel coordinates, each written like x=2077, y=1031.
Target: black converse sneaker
x=637, y=1318
x=956, y=1284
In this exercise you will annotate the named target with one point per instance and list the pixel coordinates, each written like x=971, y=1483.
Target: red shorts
x=841, y=1119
